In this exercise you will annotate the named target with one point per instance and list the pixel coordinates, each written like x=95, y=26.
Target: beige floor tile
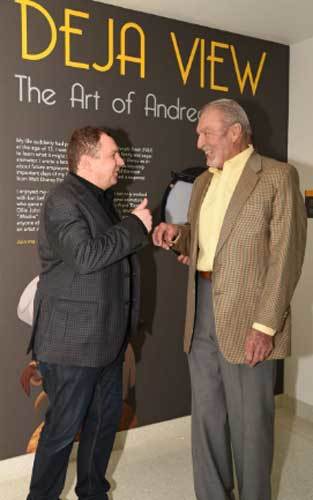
x=155, y=464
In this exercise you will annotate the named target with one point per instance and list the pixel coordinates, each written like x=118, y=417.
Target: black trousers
x=85, y=400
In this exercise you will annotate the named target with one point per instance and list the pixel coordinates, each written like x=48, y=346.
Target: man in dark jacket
x=86, y=306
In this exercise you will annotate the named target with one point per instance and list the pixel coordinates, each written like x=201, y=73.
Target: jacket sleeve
x=69, y=235
x=287, y=240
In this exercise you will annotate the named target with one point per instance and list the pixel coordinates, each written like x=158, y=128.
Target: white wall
x=299, y=368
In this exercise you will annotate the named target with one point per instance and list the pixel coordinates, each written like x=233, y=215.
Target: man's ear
x=84, y=164
x=236, y=131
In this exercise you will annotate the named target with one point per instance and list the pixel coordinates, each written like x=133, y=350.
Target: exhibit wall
x=70, y=63
x=299, y=368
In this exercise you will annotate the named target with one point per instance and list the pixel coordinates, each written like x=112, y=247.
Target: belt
x=207, y=275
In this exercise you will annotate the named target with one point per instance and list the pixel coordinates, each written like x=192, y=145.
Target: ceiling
x=284, y=21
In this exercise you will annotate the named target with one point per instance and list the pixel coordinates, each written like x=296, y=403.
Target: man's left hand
x=30, y=376
x=184, y=259
x=258, y=347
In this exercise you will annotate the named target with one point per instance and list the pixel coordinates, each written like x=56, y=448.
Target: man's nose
x=200, y=142
x=120, y=161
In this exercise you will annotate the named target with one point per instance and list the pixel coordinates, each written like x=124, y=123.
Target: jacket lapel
x=245, y=186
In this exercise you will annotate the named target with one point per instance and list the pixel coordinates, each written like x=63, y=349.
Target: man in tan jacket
x=244, y=243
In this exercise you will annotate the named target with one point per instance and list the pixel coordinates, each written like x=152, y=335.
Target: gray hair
x=233, y=113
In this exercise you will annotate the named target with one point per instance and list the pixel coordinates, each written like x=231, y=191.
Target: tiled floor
x=155, y=464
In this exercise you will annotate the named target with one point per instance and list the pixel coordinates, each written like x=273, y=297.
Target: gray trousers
x=232, y=409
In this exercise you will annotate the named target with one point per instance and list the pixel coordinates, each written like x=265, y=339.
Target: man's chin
x=211, y=163
x=114, y=181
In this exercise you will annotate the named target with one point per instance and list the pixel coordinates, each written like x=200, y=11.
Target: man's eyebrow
x=202, y=129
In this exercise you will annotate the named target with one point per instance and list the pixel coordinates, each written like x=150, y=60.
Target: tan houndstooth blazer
x=258, y=258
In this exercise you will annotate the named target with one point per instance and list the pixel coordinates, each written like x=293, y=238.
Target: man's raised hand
x=144, y=214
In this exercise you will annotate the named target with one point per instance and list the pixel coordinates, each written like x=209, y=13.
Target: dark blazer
x=87, y=300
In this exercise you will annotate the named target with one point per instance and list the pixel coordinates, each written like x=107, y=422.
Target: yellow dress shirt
x=213, y=210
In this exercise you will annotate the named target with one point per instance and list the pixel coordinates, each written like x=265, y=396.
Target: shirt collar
x=98, y=192
x=236, y=161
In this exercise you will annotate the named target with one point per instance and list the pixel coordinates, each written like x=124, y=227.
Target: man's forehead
x=209, y=117
x=108, y=142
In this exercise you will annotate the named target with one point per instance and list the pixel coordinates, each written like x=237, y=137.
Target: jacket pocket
x=73, y=321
